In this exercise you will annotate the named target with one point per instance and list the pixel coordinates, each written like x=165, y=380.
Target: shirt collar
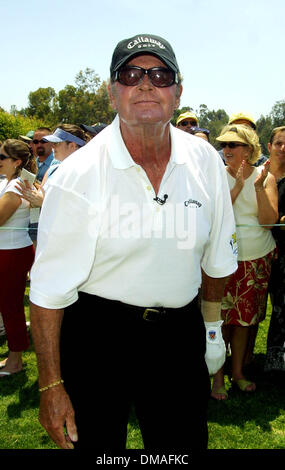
x=179, y=151
x=119, y=154
x=47, y=161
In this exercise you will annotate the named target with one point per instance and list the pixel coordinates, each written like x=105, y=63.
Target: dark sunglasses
x=232, y=145
x=159, y=76
x=3, y=157
x=185, y=123
x=42, y=141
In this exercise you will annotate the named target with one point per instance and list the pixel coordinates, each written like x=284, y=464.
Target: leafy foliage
x=278, y=114
x=86, y=102
x=41, y=104
x=13, y=126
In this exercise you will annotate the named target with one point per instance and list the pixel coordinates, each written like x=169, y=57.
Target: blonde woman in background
x=255, y=204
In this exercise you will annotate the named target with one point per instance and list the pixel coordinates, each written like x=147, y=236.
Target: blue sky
x=230, y=52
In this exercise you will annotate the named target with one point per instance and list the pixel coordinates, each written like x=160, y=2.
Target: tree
x=86, y=103
x=278, y=114
x=67, y=104
x=41, y=104
x=87, y=81
x=214, y=121
x=83, y=103
x=13, y=126
x=263, y=128
x=265, y=124
x=103, y=111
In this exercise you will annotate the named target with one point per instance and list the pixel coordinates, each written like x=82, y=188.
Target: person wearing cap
x=242, y=118
x=65, y=140
x=93, y=130
x=200, y=132
x=247, y=119
x=134, y=222
x=186, y=121
x=28, y=137
x=254, y=198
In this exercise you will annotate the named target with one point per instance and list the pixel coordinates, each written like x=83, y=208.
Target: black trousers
x=113, y=359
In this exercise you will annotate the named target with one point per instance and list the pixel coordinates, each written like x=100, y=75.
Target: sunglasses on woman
x=232, y=145
x=132, y=75
x=4, y=157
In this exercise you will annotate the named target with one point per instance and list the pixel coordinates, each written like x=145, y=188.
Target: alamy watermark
x=129, y=220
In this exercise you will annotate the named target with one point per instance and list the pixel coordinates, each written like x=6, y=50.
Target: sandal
x=243, y=385
x=221, y=391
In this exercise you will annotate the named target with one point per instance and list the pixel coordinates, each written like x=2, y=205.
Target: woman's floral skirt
x=245, y=297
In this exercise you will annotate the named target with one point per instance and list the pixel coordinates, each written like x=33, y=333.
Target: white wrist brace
x=215, y=347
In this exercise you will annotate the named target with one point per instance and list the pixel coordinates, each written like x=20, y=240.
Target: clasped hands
x=259, y=181
x=33, y=195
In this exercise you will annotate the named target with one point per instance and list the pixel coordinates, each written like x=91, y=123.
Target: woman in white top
x=255, y=203
x=16, y=251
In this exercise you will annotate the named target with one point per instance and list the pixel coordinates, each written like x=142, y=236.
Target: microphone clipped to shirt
x=161, y=201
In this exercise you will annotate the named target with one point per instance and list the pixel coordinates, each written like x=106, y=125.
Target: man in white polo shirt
x=129, y=226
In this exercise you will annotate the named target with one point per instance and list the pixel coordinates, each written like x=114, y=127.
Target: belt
x=156, y=314
x=148, y=314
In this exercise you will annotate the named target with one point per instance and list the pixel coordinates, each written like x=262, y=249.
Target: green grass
x=245, y=421
x=250, y=421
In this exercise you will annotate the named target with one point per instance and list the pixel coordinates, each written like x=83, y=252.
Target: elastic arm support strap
x=211, y=311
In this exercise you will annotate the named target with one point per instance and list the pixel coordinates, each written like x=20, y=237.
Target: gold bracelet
x=258, y=190
x=54, y=384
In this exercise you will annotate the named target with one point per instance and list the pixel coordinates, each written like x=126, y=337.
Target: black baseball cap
x=95, y=128
x=143, y=44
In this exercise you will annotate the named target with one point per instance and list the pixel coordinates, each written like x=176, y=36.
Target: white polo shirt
x=102, y=232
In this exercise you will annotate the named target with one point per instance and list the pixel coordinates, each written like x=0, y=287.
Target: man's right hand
x=56, y=414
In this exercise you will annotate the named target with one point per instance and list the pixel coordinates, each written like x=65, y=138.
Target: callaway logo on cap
x=143, y=44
